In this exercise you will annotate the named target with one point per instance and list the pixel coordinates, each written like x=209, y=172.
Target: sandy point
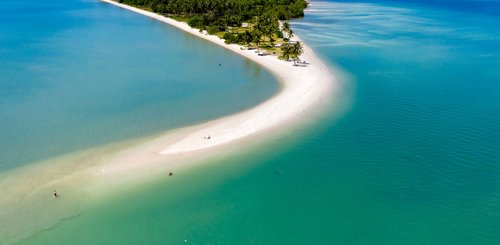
x=304, y=87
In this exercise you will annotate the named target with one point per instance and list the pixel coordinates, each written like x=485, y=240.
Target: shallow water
x=412, y=159
x=83, y=73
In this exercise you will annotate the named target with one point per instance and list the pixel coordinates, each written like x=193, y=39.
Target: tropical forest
x=259, y=24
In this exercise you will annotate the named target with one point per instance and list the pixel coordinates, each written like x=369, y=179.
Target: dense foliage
x=218, y=15
x=253, y=23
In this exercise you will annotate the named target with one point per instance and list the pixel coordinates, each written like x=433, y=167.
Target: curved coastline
x=90, y=174
x=303, y=88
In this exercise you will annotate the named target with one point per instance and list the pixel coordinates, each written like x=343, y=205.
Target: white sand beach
x=303, y=87
x=89, y=174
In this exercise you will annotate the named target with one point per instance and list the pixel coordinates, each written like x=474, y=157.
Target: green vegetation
x=253, y=23
x=291, y=51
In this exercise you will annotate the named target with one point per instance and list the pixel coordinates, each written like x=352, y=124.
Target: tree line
x=218, y=15
x=246, y=22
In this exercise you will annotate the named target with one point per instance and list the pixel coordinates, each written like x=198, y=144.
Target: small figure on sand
x=170, y=174
x=208, y=137
x=55, y=194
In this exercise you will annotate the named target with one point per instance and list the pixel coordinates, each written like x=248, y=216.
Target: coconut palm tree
x=287, y=29
x=267, y=24
x=290, y=35
x=256, y=38
x=286, y=49
x=247, y=38
x=295, y=51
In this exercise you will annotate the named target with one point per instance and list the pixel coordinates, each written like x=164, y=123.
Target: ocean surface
x=79, y=74
x=409, y=153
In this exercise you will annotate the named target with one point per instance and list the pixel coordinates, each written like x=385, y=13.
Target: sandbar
x=303, y=88
x=90, y=174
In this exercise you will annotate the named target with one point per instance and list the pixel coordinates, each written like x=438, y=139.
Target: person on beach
x=55, y=194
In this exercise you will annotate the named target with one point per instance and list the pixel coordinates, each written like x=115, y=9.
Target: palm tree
x=295, y=51
x=247, y=38
x=290, y=34
x=256, y=36
x=286, y=50
x=266, y=24
x=288, y=30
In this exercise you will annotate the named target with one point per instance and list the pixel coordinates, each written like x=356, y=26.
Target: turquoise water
x=83, y=73
x=409, y=156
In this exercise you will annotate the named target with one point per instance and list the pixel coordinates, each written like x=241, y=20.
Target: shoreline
x=303, y=88
x=89, y=175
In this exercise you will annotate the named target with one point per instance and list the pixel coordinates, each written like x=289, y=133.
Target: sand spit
x=304, y=87
x=88, y=175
